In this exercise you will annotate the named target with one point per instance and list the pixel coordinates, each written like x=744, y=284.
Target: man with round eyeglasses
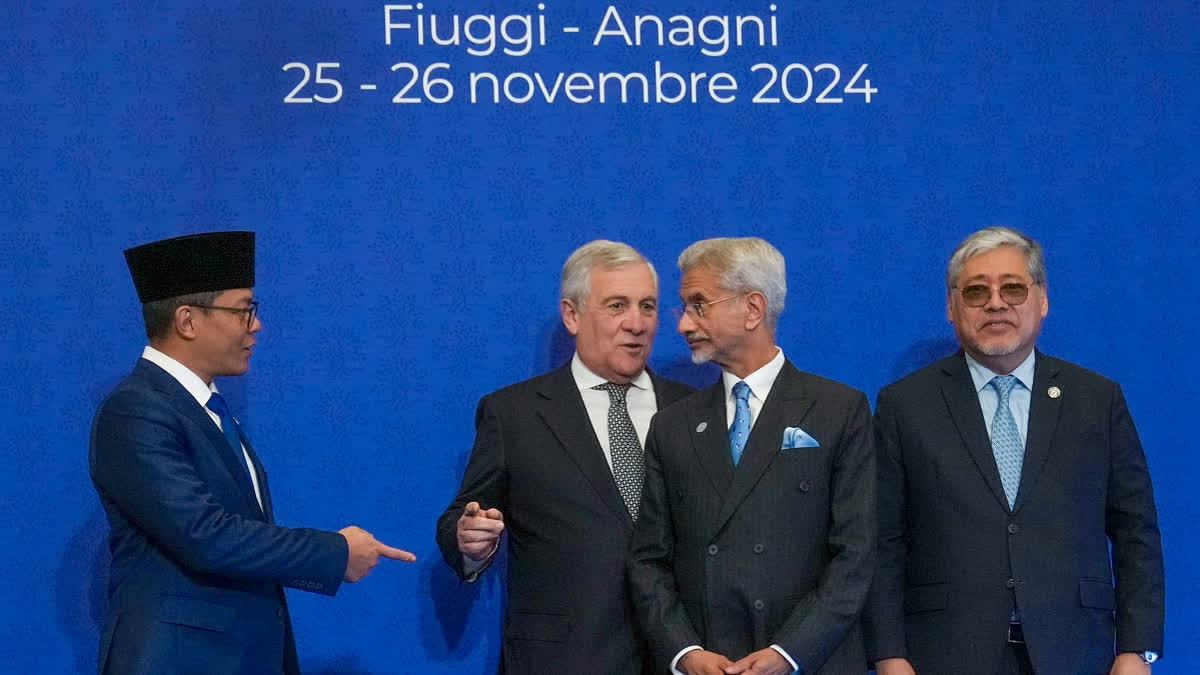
x=1005, y=477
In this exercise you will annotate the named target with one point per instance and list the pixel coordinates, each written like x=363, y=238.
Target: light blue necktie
x=229, y=427
x=1007, y=446
x=739, y=431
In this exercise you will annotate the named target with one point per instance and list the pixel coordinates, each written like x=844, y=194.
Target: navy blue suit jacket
x=198, y=568
x=953, y=557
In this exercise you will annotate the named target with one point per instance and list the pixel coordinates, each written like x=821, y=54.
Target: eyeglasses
x=696, y=309
x=978, y=295
x=251, y=311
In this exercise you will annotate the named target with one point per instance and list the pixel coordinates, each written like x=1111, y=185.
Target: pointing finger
x=396, y=554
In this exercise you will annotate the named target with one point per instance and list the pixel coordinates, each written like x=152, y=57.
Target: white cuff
x=795, y=668
x=676, y=671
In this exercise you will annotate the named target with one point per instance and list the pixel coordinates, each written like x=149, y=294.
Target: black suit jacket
x=953, y=556
x=775, y=551
x=197, y=567
x=536, y=458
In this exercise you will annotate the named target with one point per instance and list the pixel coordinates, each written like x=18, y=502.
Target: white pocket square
x=795, y=437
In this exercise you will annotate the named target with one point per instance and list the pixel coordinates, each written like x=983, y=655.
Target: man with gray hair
x=1005, y=475
x=754, y=550
x=558, y=463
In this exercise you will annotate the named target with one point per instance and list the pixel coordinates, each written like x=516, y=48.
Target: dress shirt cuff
x=675, y=661
x=472, y=568
x=795, y=668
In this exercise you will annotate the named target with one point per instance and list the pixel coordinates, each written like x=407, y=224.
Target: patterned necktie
x=628, y=463
x=229, y=427
x=1007, y=446
x=739, y=431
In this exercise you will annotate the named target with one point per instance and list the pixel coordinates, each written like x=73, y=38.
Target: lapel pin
x=701, y=427
x=1054, y=392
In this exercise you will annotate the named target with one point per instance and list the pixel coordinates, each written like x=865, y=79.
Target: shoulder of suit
x=1072, y=371
x=670, y=390
x=819, y=385
x=555, y=380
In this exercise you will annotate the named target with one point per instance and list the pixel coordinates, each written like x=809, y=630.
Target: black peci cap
x=195, y=263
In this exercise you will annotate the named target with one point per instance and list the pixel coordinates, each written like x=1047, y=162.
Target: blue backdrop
x=409, y=252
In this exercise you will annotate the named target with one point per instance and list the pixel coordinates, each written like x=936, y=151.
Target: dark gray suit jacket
x=953, y=556
x=536, y=458
x=778, y=550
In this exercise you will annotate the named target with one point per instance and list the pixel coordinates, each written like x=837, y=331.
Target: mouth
x=997, y=326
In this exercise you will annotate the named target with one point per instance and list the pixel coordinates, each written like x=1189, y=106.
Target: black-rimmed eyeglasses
x=251, y=311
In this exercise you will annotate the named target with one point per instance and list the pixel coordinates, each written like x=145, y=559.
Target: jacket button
x=803, y=486
x=758, y=548
x=712, y=549
x=759, y=605
x=1013, y=528
x=1010, y=584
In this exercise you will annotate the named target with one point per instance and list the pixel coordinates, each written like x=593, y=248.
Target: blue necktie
x=739, y=431
x=1007, y=446
x=229, y=427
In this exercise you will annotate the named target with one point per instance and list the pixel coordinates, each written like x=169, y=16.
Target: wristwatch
x=1148, y=657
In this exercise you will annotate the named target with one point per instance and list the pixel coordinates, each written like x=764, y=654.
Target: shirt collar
x=760, y=381
x=586, y=379
x=190, y=381
x=981, y=375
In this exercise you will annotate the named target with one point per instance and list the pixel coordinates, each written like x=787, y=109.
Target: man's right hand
x=700, y=662
x=365, y=551
x=479, y=531
x=894, y=667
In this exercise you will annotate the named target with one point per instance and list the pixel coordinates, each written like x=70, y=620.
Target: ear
x=570, y=315
x=183, y=322
x=950, y=306
x=756, y=309
x=1045, y=299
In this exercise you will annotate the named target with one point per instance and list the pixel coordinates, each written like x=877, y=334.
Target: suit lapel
x=787, y=405
x=562, y=410
x=710, y=437
x=1043, y=419
x=186, y=405
x=958, y=390
x=260, y=473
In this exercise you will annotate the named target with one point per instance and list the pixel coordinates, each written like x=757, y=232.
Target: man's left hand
x=1128, y=663
x=762, y=662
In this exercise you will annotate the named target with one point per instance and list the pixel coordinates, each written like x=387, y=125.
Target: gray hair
x=990, y=239
x=742, y=265
x=577, y=271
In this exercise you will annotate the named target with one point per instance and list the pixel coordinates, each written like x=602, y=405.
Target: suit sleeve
x=822, y=618
x=143, y=463
x=663, y=618
x=1131, y=523
x=485, y=481
x=883, y=618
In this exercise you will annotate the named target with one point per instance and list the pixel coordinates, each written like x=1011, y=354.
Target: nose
x=995, y=303
x=636, y=321
x=256, y=325
x=686, y=323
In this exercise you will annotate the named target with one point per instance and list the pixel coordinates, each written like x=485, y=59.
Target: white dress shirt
x=760, y=383
x=201, y=392
x=639, y=400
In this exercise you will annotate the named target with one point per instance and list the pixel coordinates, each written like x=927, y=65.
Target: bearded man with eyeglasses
x=1005, y=476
